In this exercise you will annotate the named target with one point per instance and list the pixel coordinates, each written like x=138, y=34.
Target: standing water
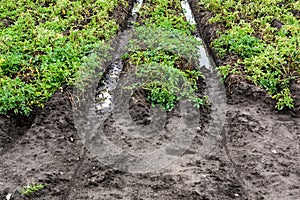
x=109, y=81
x=215, y=88
x=204, y=60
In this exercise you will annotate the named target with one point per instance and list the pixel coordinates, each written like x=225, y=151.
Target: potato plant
x=43, y=45
x=265, y=35
x=162, y=51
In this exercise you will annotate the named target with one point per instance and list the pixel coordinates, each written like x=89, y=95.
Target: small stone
x=8, y=196
x=237, y=195
x=274, y=151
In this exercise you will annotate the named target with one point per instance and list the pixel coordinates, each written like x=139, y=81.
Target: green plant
x=159, y=94
x=163, y=58
x=238, y=40
x=165, y=85
x=270, y=55
x=224, y=71
x=47, y=44
x=165, y=14
x=163, y=50
x=31, y=188
x=173, y=40
x=284, y=99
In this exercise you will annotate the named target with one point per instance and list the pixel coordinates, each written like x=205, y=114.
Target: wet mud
x=256, y=155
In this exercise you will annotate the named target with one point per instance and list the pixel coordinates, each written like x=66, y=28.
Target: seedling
x=31, y=189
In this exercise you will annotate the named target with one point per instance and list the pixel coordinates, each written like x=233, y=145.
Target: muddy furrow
x=76, y=172
x=237, y=170
x=108, y=83
x=203, y=171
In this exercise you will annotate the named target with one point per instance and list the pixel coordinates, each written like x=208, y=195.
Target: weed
x=31, y=189
x=284, y=99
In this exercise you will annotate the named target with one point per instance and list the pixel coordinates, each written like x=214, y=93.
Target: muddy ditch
x=255, y=155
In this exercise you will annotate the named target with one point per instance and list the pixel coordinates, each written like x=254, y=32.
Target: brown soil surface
x=257, y=155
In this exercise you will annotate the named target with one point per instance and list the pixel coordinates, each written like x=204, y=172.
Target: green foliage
x=284, y=99
x=165, y=14
x=160, y=95
x=173, y=40
x=30, y=189
x=166, y=85
x=238, y=40
x=271, y=61
x=224, y=71
x=163, y=49
x=44, y=45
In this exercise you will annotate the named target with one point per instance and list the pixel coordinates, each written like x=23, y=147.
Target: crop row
x=44, y=43
x=265, y=37
x=163, y=50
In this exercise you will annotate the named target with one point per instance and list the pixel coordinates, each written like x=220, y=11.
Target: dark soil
x=257, y=156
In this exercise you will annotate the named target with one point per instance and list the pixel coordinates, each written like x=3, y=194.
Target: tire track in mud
x=217, y=95
x=66, y=195
x=237, y=170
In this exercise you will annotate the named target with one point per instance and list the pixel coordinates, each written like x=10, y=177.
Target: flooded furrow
x=109, y=81
x=215, y=89
x=217, y=95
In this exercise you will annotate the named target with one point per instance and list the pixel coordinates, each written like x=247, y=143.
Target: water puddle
x=136, y=9
x=109, y=81
x=215, y=88
x=204, y=59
